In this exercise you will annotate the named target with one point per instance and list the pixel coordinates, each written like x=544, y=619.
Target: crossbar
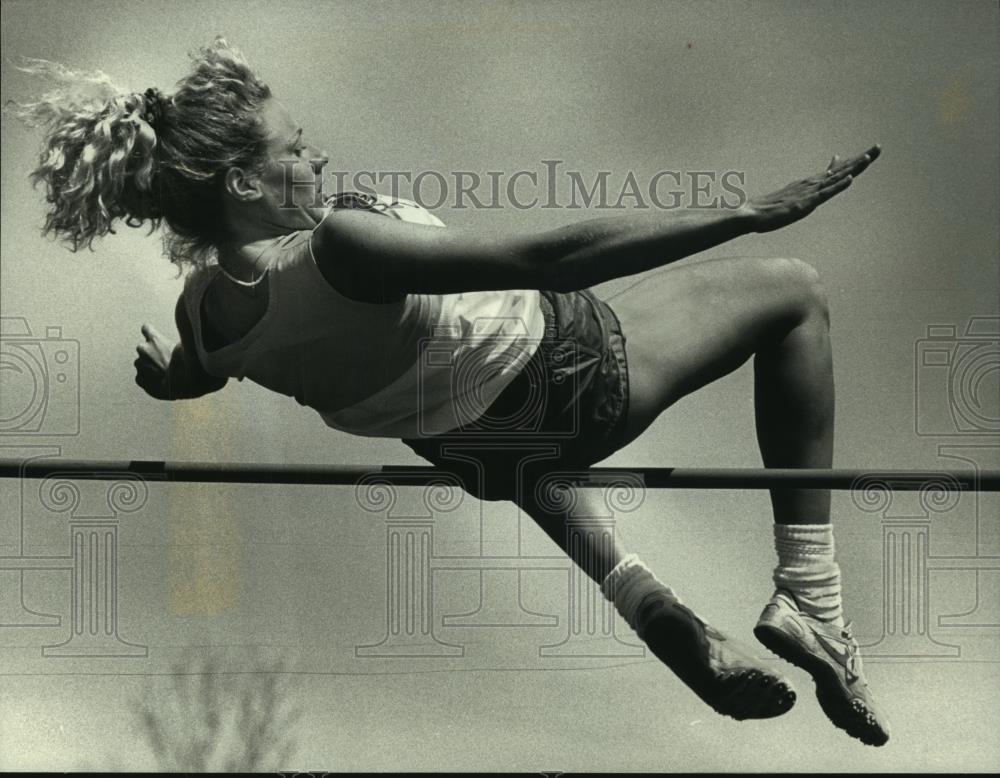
x=415, y=475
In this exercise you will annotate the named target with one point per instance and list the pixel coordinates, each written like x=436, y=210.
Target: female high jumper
x=364, y=309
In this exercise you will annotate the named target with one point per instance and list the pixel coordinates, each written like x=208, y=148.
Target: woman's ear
x=243, y=187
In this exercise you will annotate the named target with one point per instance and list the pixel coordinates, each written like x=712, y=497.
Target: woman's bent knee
x=803, y=283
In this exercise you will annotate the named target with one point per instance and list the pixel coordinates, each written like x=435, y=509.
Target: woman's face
x=292, y=182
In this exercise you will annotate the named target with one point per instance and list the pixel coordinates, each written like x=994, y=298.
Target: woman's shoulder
x=386, y=205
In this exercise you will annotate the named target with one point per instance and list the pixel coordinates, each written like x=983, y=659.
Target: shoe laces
x=853, y=652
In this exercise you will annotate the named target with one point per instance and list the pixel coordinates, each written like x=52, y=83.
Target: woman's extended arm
x=376, y=259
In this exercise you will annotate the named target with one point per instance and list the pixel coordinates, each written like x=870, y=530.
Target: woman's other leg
x=715, y=668
x=694, y=323
x=689, y=325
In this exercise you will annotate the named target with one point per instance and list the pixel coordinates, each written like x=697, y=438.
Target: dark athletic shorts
x=565, y=411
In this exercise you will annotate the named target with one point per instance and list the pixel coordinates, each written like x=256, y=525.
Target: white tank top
x=422, y=366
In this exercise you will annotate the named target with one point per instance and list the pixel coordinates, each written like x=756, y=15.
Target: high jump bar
x=416, y=475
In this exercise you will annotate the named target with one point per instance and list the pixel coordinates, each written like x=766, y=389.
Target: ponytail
x=146, y=158
x=99, y=155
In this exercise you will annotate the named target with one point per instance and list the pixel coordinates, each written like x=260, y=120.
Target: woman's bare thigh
x=689, y=324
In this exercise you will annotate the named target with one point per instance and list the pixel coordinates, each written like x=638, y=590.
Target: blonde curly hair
x=147, y=158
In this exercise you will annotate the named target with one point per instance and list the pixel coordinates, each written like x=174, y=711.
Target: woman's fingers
x=800, y=198
x=865, y=158
x=840, y=175
x=149, y=332
x=835, y=188
x=857, y=164
x=861, y=165
x=839, y=185
x=853, y=167
x=147, y=360
x=819, y=196
x=144, y=364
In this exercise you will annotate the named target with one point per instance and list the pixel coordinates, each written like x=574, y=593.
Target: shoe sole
x=747, y=692
x=853, y=720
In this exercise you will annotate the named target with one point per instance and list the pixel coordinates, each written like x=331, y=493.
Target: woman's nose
x=319, y=161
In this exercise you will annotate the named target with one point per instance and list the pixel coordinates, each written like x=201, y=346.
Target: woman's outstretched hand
x=800, y=198
x=153, y=362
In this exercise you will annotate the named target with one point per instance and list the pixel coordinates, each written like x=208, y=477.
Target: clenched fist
x=153, y=363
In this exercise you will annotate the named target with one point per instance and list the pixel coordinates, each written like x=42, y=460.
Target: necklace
x=246, y=284
x=235, y=280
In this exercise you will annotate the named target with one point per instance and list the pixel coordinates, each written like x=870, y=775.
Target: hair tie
x=153, y=106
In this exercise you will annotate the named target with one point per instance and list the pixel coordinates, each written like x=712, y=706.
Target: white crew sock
x=629, y=585
x=807, y=569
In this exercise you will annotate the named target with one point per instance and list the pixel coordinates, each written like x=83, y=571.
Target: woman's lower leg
x=794, y=401
x=794, y=405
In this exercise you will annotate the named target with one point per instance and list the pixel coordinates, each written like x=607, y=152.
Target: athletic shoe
x=729, y=679
x=830, y=655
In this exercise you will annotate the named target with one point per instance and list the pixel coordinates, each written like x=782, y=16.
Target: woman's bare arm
x=382, y=259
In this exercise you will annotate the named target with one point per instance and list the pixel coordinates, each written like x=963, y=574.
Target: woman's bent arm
x=186, y=378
